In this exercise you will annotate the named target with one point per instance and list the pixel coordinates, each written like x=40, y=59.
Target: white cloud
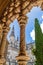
x=42, y=16
x=32, y=34
x=41, y=25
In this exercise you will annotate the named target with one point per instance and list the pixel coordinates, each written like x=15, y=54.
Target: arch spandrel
x=33, y=4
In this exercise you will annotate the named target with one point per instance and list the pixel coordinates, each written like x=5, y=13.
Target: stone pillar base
x=22, y=60
x=2, y=61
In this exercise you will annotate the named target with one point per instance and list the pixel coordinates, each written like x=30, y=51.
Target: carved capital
x=22, y=20
x=6, y=29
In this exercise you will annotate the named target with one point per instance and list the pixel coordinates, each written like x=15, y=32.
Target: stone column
x=4, y=45
x=1, y=32
x=22, y=57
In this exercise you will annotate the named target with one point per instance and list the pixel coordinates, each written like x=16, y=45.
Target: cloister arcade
x=9, y=11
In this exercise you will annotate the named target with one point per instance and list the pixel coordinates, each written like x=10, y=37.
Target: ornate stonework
x=16, y=9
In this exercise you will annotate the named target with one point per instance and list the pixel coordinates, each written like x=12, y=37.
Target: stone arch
x=16, y=10
x=13, y=10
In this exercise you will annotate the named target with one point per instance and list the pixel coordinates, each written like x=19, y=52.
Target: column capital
x=6, y=29
x=22, y=20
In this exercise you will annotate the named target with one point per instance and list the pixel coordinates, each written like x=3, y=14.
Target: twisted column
x=4, y=46
x=22, y=57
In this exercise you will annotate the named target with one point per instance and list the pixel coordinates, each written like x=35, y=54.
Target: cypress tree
x=38, y=51
x=38, y=43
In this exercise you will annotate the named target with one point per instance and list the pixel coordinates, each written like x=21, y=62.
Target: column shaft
x=1, y=33
x=22, y=40
x=4, y=45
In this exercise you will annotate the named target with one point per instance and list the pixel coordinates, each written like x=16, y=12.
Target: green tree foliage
x=38, y=52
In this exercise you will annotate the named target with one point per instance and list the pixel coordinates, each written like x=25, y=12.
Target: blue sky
x=36, y=12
